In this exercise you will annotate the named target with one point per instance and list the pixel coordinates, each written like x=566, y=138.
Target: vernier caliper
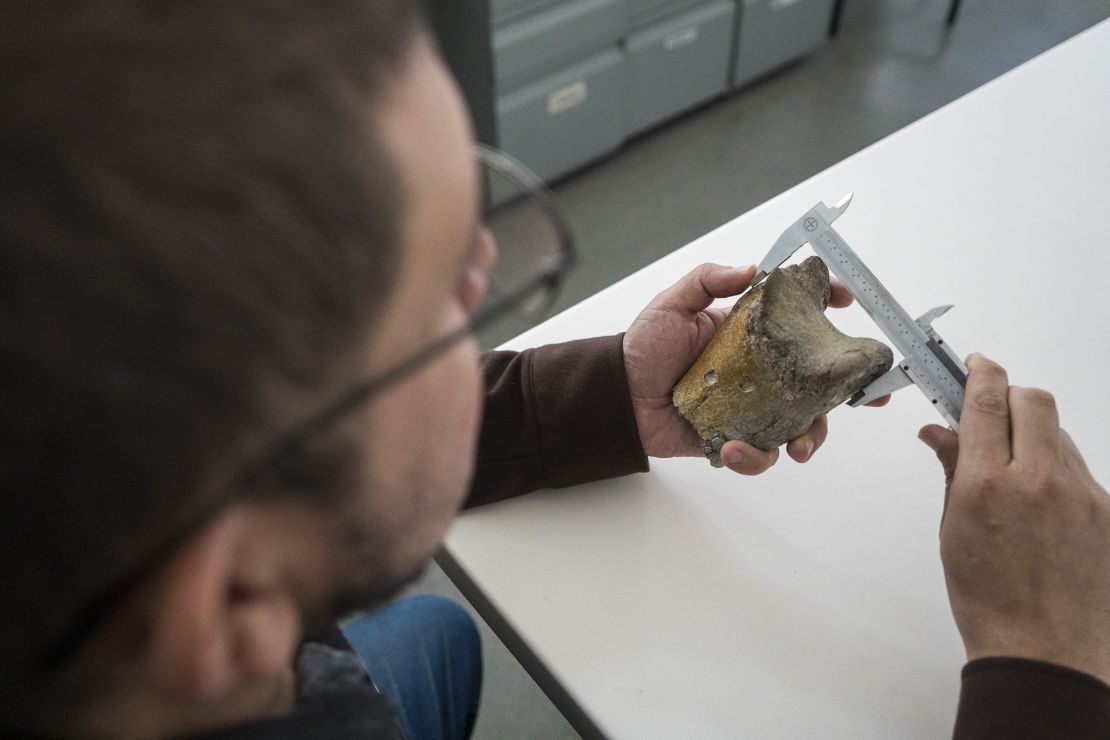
x=927, y=362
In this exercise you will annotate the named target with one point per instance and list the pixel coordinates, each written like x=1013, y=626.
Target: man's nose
x=487, y=249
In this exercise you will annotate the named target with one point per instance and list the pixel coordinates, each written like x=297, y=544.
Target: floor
x=892, y=63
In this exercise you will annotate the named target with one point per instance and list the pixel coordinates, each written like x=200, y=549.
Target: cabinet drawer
x=643, y=13
x=548, y=40
x=502, y=10
x=678, y=63
x=774, y=32
x=567, y=119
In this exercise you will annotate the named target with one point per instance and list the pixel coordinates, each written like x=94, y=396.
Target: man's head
x=218, y=217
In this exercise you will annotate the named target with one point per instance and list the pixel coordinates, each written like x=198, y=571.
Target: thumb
x=946, y=444
x=702, y=285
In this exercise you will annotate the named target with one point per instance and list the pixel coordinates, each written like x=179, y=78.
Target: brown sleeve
x=555, y=416
x=1017, y=699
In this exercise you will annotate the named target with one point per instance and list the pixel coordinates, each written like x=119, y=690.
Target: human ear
x=221, y=616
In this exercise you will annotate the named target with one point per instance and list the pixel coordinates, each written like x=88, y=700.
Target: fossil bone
x=775, y=364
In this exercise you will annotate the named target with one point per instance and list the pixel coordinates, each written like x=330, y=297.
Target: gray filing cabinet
x=774, y=32
x=560, y=83
x=678, y=62
x=544, y=41
x=559, y=72
x=646, y=12
x=564, y=120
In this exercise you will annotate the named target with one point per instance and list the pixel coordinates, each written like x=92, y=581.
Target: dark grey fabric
x=335, y=701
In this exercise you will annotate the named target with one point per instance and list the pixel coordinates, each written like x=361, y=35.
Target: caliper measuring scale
x=927, y=361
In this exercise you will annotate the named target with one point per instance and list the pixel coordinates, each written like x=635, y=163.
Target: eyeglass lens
x=531, y=243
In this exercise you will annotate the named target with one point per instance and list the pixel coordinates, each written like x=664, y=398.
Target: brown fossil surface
x=775, y=364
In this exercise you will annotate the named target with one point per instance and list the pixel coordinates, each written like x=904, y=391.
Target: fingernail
x=733, y=457
x=808, y=449
x=744, y=268
x=974, y=358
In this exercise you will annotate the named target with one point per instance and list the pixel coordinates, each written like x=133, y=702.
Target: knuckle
x=705, y=269
x=989, y=402
x=1036, y=397
x=989, y=369
x=1054, y=485
x=1037, y=485
x=1054, y=489
x=982, y=483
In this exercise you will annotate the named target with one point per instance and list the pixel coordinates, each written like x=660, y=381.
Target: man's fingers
x=1036, y=425
x=839, y=297
x=879, y=402
x=802, y=448
x=742, y=458
x=985, y=420
x=946, y=445
x=704, y=284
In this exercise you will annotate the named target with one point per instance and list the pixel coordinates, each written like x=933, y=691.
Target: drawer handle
x=678, y=39
x=565, y=98
x=780, y=4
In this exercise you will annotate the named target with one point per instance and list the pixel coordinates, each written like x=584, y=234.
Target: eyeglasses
x=536, y=249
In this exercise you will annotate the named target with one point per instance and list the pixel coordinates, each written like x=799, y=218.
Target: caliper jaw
x=900, y=375
x=798, y=234
x=892, y=380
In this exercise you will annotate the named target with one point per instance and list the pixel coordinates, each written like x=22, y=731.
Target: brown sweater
x=561, y=415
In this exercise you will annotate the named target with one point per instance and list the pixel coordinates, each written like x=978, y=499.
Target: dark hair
x=198, y=225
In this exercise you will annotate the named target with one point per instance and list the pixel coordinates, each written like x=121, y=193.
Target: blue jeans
x=424, y=654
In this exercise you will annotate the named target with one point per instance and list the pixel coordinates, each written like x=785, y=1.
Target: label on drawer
x=678, y=39
x=567, y=97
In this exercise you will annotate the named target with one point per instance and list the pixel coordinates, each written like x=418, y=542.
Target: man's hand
x=1025, y=537
x=663, y=343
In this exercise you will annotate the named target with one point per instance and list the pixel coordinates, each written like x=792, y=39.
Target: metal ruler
x=928, y=362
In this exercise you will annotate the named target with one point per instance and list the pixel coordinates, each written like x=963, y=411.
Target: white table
x=809, y=602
